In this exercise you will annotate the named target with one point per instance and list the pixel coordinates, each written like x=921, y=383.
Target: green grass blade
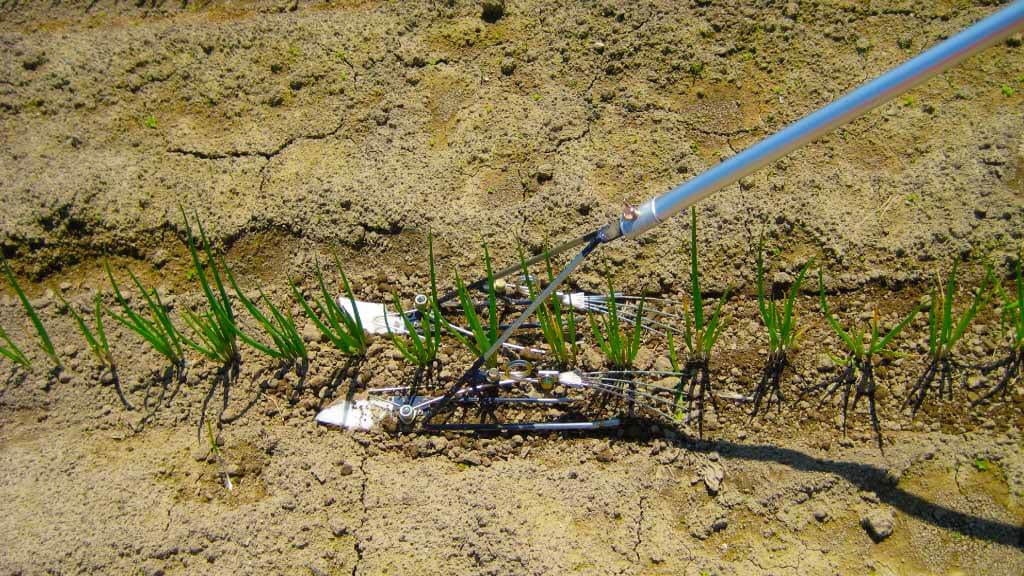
x=45, y=344
x=12, y=352
x=947, y=308
x=979, y=300
x=880, y=345
x=832, y=322
x=492, y=299
x=634, y=346
x=788, y=318
x=698, y=304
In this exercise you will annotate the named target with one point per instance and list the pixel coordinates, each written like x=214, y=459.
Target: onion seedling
x=96, y=340
x=343, y=330
x=1012, y=321
x=157, y=329
x=700, y=333
x=215, y=329
x=98, y=343
x=11, y=351
x=288, y=345
x=619, y=346
x=45, y=344
x=858, y=377
x=483, y=337
x=557, y=324
x=782, y=335
x=421, y=350
x=943, y=334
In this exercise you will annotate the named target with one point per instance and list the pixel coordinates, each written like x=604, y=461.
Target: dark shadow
x=226, y=377
x=873, y=478
x=173, y=374
x=1013, y=367
x=15, y=378
x=116, y=381
x=347, y=373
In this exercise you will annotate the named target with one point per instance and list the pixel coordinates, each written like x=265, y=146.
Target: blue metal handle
x=949, y=53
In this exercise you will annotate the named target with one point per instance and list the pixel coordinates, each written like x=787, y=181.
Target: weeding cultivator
x=530, y=381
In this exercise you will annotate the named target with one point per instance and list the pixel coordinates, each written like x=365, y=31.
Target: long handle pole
x=941, y=57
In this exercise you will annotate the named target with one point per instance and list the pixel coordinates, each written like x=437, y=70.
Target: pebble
x=545, y=172
x=879, y=524
x=310, y=332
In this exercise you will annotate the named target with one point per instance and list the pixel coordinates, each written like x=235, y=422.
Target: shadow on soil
x=873, y=478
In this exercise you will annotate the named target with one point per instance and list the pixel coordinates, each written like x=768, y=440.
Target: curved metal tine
x=509, y=345
x=644, y=394
x=647, y=323
x=645, y=298
x=462, y=392
x=652, y=310
x=617, y=392
x=639, y=383
x=645, y=372
x=630, y=309
x=388, y=389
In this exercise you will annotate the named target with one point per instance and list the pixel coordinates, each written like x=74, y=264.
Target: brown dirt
x=298, y=129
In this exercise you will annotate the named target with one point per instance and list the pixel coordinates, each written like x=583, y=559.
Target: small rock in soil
x=545, y=172
x=879, y=524
x=712, y=476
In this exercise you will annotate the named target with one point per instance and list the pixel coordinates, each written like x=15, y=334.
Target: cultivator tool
x=505, y=398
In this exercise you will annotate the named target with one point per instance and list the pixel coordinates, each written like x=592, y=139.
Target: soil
x=298, y=130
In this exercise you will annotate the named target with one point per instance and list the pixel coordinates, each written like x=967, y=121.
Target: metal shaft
x=941, y=57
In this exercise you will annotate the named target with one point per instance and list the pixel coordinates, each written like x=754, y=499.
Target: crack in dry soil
x=363, y=517
x=639, y=526
x=251, y=153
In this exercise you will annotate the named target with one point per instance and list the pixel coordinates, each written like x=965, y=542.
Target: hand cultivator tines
x=489, y=391
x=494, y=394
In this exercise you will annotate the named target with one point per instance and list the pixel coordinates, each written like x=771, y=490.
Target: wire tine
x=644, y=394
x=639, y=383
x=655, y=311
x=646, y=298
x=618, y=393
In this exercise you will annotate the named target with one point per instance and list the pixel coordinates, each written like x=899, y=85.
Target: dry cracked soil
x=296, y=130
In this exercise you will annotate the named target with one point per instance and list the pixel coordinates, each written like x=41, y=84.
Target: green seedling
x=483, y=337
x=11, y=351
x=981, y=464
x=99, y=346
x=287, y=344
x=557, y=324
x=343, y=330
x=700, y=334
x=215, y=329
x=944, y=332
x=96, y=339
x=858, y=377
x=156, y=329
x=149, y=121
x=421, y=349
x=45, y=344
x=619, y=344
x=1012, y=324
x=780, y=322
